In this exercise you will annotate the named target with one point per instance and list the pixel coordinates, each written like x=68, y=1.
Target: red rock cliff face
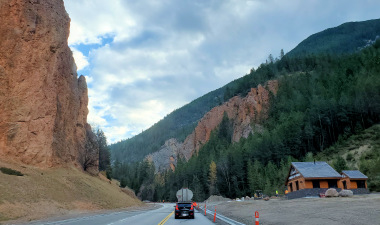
x=246, y=114
x=43, y=105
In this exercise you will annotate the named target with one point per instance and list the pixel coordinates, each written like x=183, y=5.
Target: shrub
x=340, y=164
x=109, y=173
x=123, y=183
x=10, y=171
x=349, y=157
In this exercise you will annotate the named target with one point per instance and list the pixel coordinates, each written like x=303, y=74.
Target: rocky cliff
x=246, y=113
x=43, y=105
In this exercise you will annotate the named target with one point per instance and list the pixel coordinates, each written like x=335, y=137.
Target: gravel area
x=359, y=209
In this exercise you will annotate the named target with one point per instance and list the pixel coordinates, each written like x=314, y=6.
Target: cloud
x=147, y=58
x=80, y=60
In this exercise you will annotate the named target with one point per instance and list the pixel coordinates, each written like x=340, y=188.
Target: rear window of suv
x=184, y=205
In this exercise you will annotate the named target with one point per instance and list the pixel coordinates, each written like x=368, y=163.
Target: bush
x=123, y=183
x=340, y=164
x=349, y=157
x=10, y=171
x=109, y=173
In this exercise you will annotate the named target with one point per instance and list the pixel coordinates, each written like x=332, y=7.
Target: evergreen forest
x=322, y=101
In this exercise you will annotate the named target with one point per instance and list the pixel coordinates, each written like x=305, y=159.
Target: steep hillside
x=43, y=193
x=245, y=116
x=178, y=124
x=360, y=151
x=320, y=101
x=346, y=38
x=43, y=113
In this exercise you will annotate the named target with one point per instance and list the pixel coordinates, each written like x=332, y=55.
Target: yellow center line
x=166, y=219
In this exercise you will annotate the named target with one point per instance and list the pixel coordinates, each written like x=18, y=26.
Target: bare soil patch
x=359, y=209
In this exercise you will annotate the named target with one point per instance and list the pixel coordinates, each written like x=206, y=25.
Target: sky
x=143, y=59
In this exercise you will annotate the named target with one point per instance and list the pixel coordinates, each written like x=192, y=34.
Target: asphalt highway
x=160, y=216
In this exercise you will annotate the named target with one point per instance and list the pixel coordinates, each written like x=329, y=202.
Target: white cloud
x=80, y=60
x=93, y=19
x=165, y=54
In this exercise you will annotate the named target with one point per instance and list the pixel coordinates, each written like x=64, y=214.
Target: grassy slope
x=53, y=192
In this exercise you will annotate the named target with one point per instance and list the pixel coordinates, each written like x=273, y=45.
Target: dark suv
x=184, y=209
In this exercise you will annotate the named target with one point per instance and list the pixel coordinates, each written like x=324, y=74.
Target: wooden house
x=353, y=179
x=310, y=175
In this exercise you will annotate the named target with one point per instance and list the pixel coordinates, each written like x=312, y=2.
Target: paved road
x=161, y=216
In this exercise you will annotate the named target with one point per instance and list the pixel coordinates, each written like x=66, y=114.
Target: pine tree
x=104, y=151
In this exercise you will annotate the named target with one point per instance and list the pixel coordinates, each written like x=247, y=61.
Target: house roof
x=315, y=169
x=354, y=174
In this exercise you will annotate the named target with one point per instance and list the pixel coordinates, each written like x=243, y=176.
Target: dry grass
x=42, y=193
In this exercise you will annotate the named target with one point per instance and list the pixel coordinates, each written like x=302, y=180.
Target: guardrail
x=221, y=217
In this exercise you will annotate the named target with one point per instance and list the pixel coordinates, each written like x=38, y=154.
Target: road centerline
x=166, y=219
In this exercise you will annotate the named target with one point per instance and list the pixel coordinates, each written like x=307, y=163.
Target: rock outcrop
x=246, y=113
x=167, y=156
x=43, y=105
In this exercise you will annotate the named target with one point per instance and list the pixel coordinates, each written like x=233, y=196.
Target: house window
x=291, y=187
x=361, y=183
x=297, y=188
x=332, y=184
x=316, y=184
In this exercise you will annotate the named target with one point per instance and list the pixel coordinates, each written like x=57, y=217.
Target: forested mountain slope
x=346, y=38
x=181, y=122
x=320, y=101
x=178, y=124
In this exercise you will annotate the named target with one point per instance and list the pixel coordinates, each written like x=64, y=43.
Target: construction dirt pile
x=217, y=198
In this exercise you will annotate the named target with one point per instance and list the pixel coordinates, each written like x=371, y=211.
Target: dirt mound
x=217, y=198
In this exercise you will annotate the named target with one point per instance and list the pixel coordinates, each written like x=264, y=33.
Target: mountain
x=43, y=113
x=346, y=38
x=178, y=124
x=245, y=115
x=321, y=100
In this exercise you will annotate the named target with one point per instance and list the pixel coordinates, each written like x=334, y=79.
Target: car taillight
x=176, y=207
x=192, y=208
